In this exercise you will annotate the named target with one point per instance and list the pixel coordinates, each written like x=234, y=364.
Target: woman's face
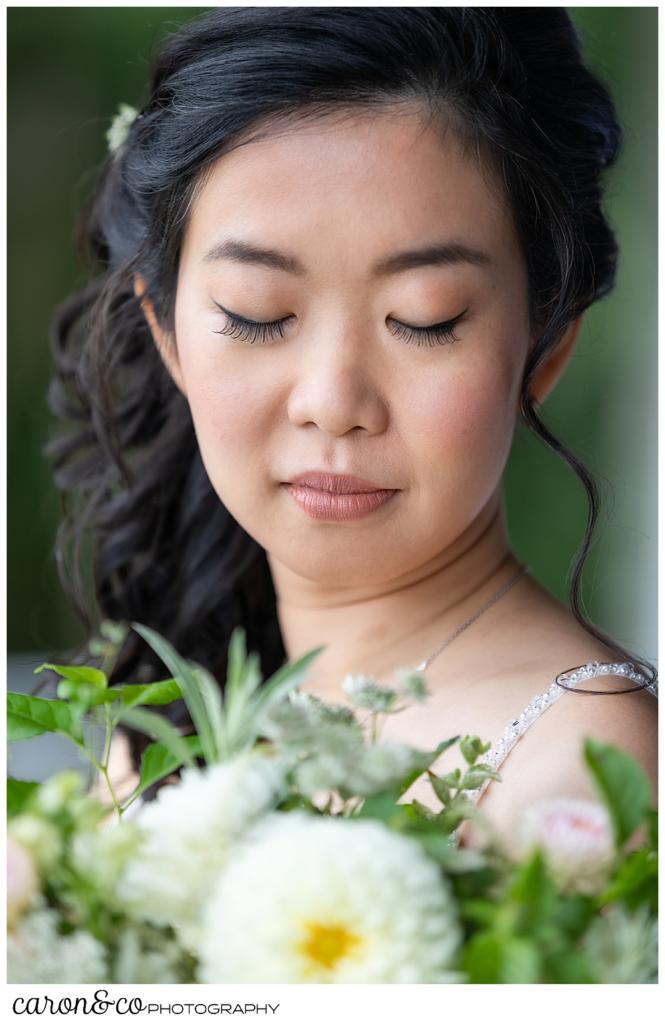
x=342, y=386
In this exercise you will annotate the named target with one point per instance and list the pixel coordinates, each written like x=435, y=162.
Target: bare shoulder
x=548, y=760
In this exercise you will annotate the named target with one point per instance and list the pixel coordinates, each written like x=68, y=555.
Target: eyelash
x=242, y=329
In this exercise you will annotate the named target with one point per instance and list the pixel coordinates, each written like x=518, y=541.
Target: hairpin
x=117, y=134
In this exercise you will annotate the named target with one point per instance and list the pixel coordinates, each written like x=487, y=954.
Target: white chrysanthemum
x=576, y=839
x=623, y=946
x=187, y=832
x=38, y=954
x=327, y=900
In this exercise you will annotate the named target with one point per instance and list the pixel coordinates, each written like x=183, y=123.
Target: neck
x=373, y=629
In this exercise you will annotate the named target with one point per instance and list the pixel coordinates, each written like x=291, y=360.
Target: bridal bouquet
x=283, y=853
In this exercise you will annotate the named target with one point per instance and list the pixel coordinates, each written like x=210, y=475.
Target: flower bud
x=575, y=837
x=39, y=837
x=56, y=793
x=22, y=880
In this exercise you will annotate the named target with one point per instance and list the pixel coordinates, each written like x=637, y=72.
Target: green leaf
x=243, y=677
x=422, y=811
x=635, y=881
x=623, y=784
x=499, y=959
x=384, y=807
x=19, y=793
x=191, y=689
x=428, y=758
x=573, y=914
x=163, y=692
x=477, y=775
x=439, y=787
x=652, y=823
x=452, y=779
x=157, y=761
x=78, y=674
x=533, y=888
x=212, y=699
x=285, y=679
x=452, y=859
x=160, y=729
x=521, y=962
x=472, y=747
x=568, y=967
x=31, y=716
x=458, y=810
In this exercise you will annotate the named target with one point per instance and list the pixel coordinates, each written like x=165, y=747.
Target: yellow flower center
x=327, y=943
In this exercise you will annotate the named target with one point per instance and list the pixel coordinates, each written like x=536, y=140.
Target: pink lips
x=328, y=496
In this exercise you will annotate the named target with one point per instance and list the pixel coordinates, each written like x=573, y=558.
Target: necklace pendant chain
x=460, y=629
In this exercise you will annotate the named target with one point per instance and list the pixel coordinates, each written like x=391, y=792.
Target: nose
x=337, y=390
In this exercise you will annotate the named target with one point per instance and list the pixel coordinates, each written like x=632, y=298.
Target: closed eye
x=243, y=329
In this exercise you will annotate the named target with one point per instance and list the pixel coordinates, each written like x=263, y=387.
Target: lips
x=333, y=483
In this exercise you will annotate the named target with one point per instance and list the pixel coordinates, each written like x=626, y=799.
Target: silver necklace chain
x=460, y=629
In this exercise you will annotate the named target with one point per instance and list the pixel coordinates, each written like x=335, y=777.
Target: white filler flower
x=38, y=954
x=187, y=832
x=325, y=900
x=576, y=839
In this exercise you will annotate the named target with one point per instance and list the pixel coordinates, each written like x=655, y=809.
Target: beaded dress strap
x=516, y=728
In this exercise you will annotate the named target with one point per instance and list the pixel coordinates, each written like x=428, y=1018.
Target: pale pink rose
x=576, y=838
x=22, y=880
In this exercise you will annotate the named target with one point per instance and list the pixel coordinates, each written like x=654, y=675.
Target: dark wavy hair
x=513, y=84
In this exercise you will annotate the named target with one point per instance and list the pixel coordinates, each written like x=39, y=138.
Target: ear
x=548, y=373
x=164, y=342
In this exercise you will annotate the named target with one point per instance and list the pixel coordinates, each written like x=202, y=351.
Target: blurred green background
x=68, y=70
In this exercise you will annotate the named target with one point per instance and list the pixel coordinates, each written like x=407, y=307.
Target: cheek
x=465, y=424
x=231, y=415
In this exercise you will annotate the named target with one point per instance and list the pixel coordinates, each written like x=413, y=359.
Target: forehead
x=366, y=180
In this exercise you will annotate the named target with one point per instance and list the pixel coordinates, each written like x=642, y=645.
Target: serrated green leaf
x=131, y=694
x=19, y=794
x=78, y=674
x=31, y=716
x=161, y=730
x=623, y=785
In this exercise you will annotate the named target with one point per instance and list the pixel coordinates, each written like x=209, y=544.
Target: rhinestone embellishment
x=515, y=729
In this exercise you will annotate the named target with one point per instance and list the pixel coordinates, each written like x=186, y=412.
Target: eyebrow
x=439, y=254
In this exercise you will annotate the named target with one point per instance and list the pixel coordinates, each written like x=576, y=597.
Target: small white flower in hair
x=119, y=130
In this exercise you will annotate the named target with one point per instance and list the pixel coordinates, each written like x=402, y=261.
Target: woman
x=343, y=249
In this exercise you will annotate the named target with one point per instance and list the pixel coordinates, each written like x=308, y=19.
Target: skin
x=340, y=391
